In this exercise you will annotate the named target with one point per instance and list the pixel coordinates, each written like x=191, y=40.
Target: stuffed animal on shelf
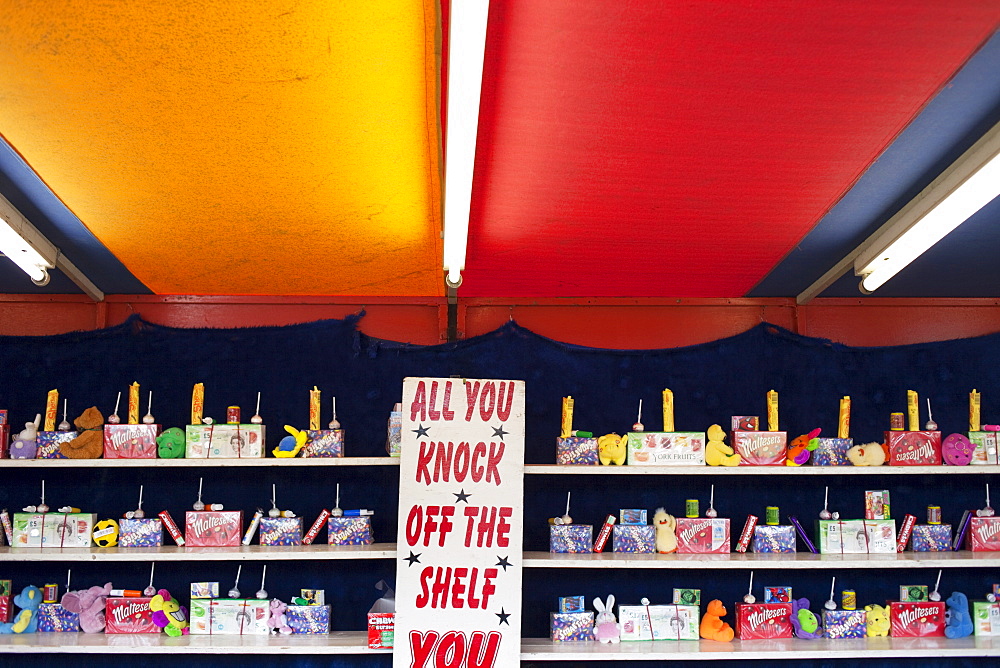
x=959, y=621
x=877, y=623
x=169, y=614
x=712, y=627
x=957, y=450
x=90, y=443
x=606, y=627
x=801, y=447
x=612, y=448
x=89, y=605
x=25, y=621
x=25, y=445
x=171, y=443
x=804, y=621
x=666, y=531
x=277, y=621
x=867, y=454
x=717, y=453
x=290, y=446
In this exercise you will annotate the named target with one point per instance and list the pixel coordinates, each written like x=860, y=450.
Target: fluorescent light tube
x=24, y=245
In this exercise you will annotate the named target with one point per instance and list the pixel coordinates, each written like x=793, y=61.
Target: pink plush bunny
x=606, y=627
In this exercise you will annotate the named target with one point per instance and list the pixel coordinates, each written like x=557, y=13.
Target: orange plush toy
x=712, y=626
x=90, y=443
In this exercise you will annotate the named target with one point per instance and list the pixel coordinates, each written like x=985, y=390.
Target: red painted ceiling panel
x=681, y=149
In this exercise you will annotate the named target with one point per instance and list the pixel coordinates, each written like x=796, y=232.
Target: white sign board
x=461, y=494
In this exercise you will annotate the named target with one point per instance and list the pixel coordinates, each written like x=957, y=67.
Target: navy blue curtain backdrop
x=710, y=381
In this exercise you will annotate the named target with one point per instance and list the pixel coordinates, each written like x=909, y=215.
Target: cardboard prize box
x=913, y=448
x=349, y=531
x=224, y=441
x=763, y=621
x=577, y=450
x=213, y=528
x=5, y=601
x=931, y=538
x=761, y=448
x=696, y=535
x=986, y=447
x=53, y=618
x=129, y=615
x=308, y=619
x=774, y=538
x=635, y=538
x=48, y=442
x=571, y=626
x=657, y=448
x=53, y=530
x=280, y=531
x=324, y=443
x=145, y=532
x=658, y=622
x=986, y=618
x=571, y=538
x=856, y=536
x=832, y=452
x=916, y=619
x=845, y=624
x=230, y=616
x=130, y=441
x=983, y=534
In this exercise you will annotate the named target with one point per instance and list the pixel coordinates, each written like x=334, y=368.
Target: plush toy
x=801, y=448
x=169, y=614
x=877, y=623
x=717, y=453
x=957, y=450
x=712, y=627
x=90, y=443
x=278, y=622
x=106, y=533
x=25, y=621
x=666, y=531
x=171, y=443
x=606, y=627
x=89, y=605
x=25, y=445
x=290, y=446
x=804, y=621
x=612, y=448
x=867, y=454
x=959, y=621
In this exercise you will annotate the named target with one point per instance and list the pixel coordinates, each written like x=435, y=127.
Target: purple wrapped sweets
x=49, y=441
x=832, y=452
x=576, y=450
x=324, y=443
x=140, y=532
x=53, y=618
x=349, y=531
x=281, y=531
x=310, y=619
x=572, y=538
x=771, y=538
x=844, y=623
x=931, y=538
x=637, y=538
x=571, y=626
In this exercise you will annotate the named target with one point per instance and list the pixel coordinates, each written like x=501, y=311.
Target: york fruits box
x=914, y=448
x=763, y=621
x=918, y=619
x=675, y=448
x=761, y=448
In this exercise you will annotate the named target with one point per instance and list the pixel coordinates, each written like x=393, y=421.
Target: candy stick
x=913, y=410
x=975, y=402
x=668, y=410
x=333, y=423
x=235, y=591
x=936, y=595
x=42, y=508
x=566, y=422
x=262, y=593
x=148, y=417
x=51, y=409
x=930, y=425
x=772, y=410
x=69, y=572
x=566, y=519
x=257, y=419
x=750, y=598
x=844, y=418
x=830, y=604
x=638, y=426
x=113, y=418
x=273, y=512
x=711, y=512
x=337, y=512
x=984, y=512
x=198, y=505
x=64, y=425
x=133, y=403
x=314, y=408
x=139, y=514
x=197, y=403
x=825, y=513
x=150, y=590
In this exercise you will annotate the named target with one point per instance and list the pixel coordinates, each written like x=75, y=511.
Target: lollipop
x=262, y=593
x=711, y=513
x=830, y=604
x=638, y=426
x=113, y=418
x=198, y=505
x=333, y=423
x=235, y=591
x=257, y=419
x=936, y=595
x=150, y=590
x=750, y=598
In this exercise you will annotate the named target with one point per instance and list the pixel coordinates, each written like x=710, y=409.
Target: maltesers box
x=856, y=536
x=349, y=531
x=213, y=528
x=129, y=615
x=986, y=447
x=224, y=441
x=48, y=443
x=576, y=450
x=763, y=621
x=571, y=626
x=53, y=618
x=677, y=448
x=986, y=618
x=774, y=538
x=130, y=441
x=145, y=532
x=845, y=623
x=324, y=443
x=913, y=448
x=832, y=452
x=636, y=538
x=571, y=538
x=281, y=531
x=229, y=616
x=696, y=535
x=916, y=620
x=931, y=538
x=761, y=448
x=983, y=534
x=658, y=622
x=55, y=530
x=381, y=630
x=308, y=619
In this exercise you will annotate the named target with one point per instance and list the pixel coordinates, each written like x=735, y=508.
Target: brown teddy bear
x=90, y=443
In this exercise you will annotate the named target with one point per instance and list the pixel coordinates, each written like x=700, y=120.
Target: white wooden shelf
x=735, y=561
x=343, y=642
x=183, y=463
x=564, y=469
x=543, y=649
x=322, y=552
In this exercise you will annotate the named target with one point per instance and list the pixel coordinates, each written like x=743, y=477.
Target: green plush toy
x=170, y=444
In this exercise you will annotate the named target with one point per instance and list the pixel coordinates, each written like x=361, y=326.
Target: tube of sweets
x=975, y=401
x=252, y=529
x=747, y=533
x=567, y=418
x=668, y=410
x=314, y=408
x=772, y=411
x=844, y=418
x=904, y=532
x=197, y=403
x=913, y=410
x=316, y=527
x=51, y=410
x=171, y=526
x=602, y=537
x=133, y=403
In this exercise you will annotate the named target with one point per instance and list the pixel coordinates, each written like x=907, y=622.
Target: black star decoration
x=498, y=431
x=461, y=496
x=421, y=431
x=413, y=558
x=503, y=617
x=503, y=562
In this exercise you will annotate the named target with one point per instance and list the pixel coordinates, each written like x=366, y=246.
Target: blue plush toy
x=958, y=620
x=26, y=621
x=804, y=621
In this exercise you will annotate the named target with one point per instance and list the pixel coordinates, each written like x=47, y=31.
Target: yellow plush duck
x=290, y=446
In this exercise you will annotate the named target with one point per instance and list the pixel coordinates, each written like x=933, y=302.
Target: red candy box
x=763, y=621
x=984, y=534
x=213, y=528
x=761, y=448
x=914, y=448
x=129, y=615
x=130, y=441
x=702, y=536
x=916, y=620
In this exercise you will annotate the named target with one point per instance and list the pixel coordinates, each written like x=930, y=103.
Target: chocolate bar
x=314, y=530
x=602, y=537
x=904, y=532
x=747, y=535
x=171, y=527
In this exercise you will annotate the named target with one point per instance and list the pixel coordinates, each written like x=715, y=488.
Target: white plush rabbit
x=606, y=627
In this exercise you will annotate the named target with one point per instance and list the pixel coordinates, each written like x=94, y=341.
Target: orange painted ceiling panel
x=235, y=147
